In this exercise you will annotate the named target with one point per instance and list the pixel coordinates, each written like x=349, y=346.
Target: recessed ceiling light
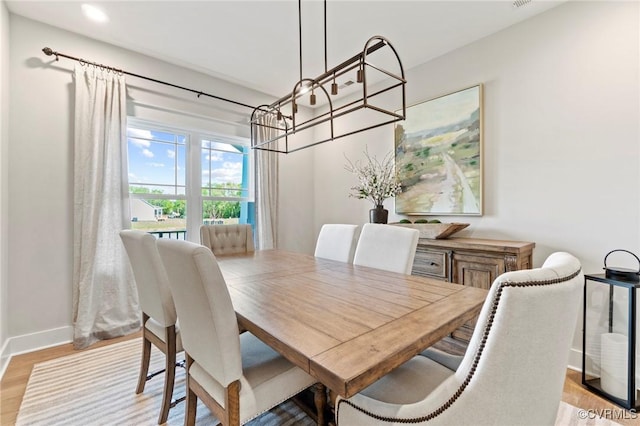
x=94, y=13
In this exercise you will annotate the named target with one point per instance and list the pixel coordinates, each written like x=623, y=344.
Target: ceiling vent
x=346, y=84
x=520, y=3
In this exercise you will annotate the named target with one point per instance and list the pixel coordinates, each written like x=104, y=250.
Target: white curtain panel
x=266, y=188
x=105, y=302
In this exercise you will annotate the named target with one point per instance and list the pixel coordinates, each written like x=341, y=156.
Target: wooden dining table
x=344, y=324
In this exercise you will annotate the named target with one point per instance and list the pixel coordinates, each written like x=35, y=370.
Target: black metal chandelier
x=375, y=98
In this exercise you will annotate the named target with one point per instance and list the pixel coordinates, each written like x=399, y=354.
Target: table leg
x=320, y=400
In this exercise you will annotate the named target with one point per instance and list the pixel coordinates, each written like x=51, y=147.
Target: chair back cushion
x=337, y=242
x=521, y=343
x=151, y=279
x=387, y=247
x=207, y=319
x=227, y=239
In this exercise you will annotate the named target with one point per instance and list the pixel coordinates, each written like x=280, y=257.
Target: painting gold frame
x=438, y=154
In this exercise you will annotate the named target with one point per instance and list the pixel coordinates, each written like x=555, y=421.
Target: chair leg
x=192, y=399
x=232, y=404
x=169, y=373
x=146, y=356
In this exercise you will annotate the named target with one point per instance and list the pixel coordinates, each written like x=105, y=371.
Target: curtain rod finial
x=48, y=51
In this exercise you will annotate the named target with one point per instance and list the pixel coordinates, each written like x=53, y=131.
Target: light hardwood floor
x=14, y=381
x=16, y=377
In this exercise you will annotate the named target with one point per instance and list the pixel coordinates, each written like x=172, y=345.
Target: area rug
x=97, y=387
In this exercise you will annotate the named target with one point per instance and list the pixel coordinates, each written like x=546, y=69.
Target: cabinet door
x=474, y=271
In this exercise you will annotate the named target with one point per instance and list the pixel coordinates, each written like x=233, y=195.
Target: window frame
x=193, y=173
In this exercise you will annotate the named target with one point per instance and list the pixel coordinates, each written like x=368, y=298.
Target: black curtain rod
x=48, y=51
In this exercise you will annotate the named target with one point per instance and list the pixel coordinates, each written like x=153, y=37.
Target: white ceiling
x=255, y=43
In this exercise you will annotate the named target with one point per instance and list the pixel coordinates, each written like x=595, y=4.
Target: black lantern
x=609, y=334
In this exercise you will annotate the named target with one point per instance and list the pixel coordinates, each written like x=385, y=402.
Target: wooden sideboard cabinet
x=470, y=261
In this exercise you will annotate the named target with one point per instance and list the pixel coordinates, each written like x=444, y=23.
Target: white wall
x=561, y=138
x=41, y=168
x=296, y=212
x=4, y=181
x=561, y=144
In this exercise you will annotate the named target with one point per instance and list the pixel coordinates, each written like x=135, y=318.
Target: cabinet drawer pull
x=433, y=264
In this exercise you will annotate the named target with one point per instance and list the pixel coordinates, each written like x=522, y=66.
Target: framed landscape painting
x=439, y=156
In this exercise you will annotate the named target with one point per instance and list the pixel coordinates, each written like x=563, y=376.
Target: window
x=176, y=172
x=225, y=181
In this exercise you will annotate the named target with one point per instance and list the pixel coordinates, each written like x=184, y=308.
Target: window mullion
x=194, y=194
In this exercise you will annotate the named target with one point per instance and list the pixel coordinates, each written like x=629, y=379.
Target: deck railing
x=178, y=234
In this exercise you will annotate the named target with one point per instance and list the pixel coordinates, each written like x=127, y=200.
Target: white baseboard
x=33, y=342
x=41, y=340
x=575, y=360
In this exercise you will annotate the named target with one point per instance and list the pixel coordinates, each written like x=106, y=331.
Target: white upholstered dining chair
x=514, y=368
x=236, y=376
x=337, y=241
x=159, y=318
x=227, y=239
x=387, y=247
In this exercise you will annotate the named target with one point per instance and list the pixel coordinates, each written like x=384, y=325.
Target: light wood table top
x=345, y=325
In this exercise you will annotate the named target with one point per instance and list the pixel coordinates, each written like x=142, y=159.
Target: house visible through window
x=180, y=179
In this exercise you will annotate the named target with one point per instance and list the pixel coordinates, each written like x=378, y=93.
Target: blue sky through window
x=222, y=165
x=157, y=160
